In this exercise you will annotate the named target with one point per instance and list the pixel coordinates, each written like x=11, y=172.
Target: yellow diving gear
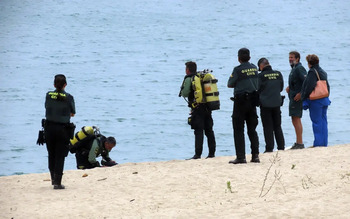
x=85, y=131
x=204, y=85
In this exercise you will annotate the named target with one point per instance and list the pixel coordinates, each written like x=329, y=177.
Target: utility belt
x=48, y=122
x=69, y=126
x=253, y=97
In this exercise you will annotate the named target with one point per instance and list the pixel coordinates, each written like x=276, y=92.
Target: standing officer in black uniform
x=270, y=87
x=201, y=119
x=58, y=130
x=244, y=80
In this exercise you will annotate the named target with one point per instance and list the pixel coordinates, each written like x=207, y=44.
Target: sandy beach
x=308, y=183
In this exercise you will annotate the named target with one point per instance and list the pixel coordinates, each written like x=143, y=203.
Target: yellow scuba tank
x=211, y=91
x=204, y=85
x=197, y=87
x=85, y=131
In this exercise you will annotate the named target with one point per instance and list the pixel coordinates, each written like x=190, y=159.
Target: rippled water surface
x=124, y=61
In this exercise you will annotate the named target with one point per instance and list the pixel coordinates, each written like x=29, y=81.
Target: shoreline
x=310, y=183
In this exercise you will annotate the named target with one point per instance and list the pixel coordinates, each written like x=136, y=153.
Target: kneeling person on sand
x=87, y=153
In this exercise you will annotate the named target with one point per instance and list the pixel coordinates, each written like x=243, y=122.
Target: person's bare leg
x=298, y=129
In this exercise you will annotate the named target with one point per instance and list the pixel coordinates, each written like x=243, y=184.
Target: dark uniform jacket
x=270, y=87
x=244, y=79
x=59, y=110
x=296, y=79
x=311, y=80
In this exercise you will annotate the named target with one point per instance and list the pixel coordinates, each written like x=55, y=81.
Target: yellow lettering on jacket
x=249, y=71
x=272, y=76
x=54, y=95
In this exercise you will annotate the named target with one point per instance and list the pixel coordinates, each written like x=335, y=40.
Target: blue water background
x=124, y=61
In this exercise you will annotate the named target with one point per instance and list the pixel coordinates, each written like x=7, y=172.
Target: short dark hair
x=244, y=54
x=296, y=54
x=60, y=81
x=312, y=59
x=111, y=140
x=263, y=61
x=192, y=66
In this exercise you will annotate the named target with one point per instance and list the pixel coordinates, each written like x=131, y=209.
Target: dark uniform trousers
x=82, y=157
x=271, y=120
x=57, y=140
x=244, y=111
x=202, y=121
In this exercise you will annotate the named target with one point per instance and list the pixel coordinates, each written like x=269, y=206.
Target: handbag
x=320, y=90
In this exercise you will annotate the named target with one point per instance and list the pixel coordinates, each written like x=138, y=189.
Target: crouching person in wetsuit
x=88, y=152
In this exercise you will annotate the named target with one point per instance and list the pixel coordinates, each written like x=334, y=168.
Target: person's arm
x=301, y=73
x=106, y=157
x=93, y=153
x=186, y=89
x=309, y=84
x=282, y=82
x=232, y=80
x=260, y=87
x=72, y=106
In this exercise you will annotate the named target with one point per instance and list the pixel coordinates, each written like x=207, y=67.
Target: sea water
x=124, y=62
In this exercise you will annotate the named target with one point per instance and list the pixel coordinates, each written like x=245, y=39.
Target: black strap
x=77, y=137
x=213, y=81
x=213, y=94
x=83, y=129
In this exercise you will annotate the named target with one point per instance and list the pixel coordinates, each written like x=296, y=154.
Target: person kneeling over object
x=86, y=154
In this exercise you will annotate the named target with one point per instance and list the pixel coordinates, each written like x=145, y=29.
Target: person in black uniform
x=270, y=99
x=201, y=118
x=60, y=107
x=244, y=80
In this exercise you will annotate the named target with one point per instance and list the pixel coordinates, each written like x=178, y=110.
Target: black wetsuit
x=201, y=120
x=89, y=150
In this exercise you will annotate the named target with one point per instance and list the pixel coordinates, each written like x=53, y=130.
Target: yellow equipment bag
x=204, y=85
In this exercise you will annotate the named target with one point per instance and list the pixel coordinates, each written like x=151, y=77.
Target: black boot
x=57, y=182
x=210, y=156
x=195, y=157
x=255, y=158
x=238, y=161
